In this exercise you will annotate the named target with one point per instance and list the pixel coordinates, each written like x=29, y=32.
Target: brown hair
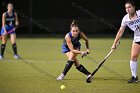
x=10, y=4
x=130, y=2
x=74, y=23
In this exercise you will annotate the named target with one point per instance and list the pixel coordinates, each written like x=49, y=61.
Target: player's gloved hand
x=84, y=54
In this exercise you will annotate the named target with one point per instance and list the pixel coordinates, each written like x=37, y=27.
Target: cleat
x=1, y=57
x=61, y=77
x=133, y=80
x=16, y=56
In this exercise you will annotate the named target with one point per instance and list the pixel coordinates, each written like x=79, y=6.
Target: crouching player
x=71, y=47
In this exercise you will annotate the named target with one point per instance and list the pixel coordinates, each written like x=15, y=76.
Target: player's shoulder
x=126, y=17
x=4, y=14
x=67, y=35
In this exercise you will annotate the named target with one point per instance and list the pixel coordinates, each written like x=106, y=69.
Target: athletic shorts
x=8, y=28
x=65, y=48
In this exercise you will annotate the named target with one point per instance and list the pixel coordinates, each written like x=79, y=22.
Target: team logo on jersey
x=134, y=22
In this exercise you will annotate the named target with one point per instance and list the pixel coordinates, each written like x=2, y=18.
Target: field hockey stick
x=88, y=80
x=12, y=30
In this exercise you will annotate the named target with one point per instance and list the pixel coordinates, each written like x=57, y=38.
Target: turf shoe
x=133, y=80
x=16, y=56
x=61, y=77
x=1, y=57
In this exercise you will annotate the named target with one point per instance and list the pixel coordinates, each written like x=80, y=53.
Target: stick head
x=88, y=80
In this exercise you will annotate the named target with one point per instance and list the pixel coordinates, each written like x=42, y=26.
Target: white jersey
x=133, y=25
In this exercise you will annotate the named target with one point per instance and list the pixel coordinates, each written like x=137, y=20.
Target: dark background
x=55, y=16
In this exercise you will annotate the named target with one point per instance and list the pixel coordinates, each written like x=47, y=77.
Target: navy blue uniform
x=75, y=42
x=9, y=23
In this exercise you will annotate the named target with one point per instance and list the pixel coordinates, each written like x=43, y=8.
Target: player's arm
x=83, y=36
x=16, y=20
x=118, y=36
x=3, y=22
x=69, y=43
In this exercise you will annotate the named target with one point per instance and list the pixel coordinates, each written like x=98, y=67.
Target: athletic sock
x=67, y=66
x=133, y=67
x=82, y=69
x=14, y=46
x=2, y=49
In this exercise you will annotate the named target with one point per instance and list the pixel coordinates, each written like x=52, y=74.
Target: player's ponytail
x=74, y=23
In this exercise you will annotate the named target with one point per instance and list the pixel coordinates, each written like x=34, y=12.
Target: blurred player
x=9, y=25
x=71, y=47
x=132, y=20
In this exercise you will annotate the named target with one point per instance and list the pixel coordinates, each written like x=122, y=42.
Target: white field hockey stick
x=88, y=80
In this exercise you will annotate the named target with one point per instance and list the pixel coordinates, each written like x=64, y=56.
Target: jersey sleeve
x=138, y=12
x=123, y=23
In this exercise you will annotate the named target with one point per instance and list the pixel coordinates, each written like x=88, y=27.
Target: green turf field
x=43, y=62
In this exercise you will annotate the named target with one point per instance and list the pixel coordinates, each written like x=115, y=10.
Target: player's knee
x=71, y=57
x=13, y=41
x=134, y=58
x=4, y=42
x=70, y=62
x=76, y=64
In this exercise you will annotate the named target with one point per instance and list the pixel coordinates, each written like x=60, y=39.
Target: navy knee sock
x=82, y=69
x=2, y=49
x=14, y=46
x=67, y=66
